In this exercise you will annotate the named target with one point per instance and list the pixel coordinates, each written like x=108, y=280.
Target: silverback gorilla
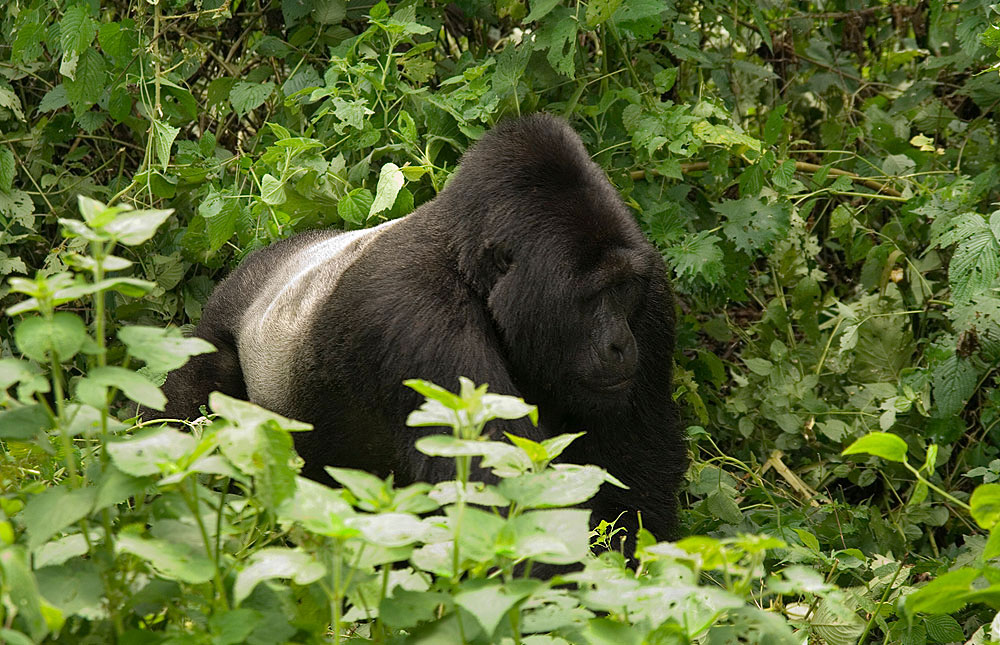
x=527, y=272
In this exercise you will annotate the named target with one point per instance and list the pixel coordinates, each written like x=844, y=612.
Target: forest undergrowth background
x=821, y=178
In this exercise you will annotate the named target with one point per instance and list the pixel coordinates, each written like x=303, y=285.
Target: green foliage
x=820, y=179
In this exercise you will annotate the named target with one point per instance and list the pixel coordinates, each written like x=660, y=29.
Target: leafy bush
x=819, y=177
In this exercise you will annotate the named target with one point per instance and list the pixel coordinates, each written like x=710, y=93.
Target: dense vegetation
x=819, y=176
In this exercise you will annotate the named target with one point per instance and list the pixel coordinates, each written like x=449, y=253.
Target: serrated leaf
x=751, y=224
x=245, y=96
x=953, y=381
x=697, y=255
x=944, y=629
x=135, y=227
x=557, y=37
x=540, y=9
x=599, y=11
x=355, y=205
x=76, y=29
x=54, y=99
x=489, y=600
x=51, y=511
x=91, y=77
x=784, y=174
x=221, y=213
x=974, y=265
x=11, y=101
x=275, y=562
x=7, y=169
x=151, y=451
x=350, y=113
x=163, y=141
x=27, y=45
x=64, y=334
x=135, y=386
x=163, y=350
x=390, y=180
x=172, y=560
x=272, y=190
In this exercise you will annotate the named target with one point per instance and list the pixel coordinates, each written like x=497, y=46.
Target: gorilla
x=527, y=272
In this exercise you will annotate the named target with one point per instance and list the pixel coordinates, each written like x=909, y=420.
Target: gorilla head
x=560, y=263
x=527, y=272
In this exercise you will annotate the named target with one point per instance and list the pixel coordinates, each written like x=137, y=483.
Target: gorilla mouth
x=612, y=386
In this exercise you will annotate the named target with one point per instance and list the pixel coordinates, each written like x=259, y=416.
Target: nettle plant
x=145, y=533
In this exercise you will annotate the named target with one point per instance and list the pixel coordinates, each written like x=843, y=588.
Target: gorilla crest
x=527, y=272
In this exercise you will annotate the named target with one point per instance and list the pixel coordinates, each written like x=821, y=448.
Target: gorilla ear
x=502, y=258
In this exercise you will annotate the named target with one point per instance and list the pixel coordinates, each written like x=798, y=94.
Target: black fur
x=528, y=273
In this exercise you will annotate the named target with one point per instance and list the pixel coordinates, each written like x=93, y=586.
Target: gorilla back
x=527, y=272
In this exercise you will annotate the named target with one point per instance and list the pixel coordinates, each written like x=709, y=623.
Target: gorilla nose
x=619, y=356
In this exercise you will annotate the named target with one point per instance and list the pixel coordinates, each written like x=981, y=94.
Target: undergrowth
x=820, y=177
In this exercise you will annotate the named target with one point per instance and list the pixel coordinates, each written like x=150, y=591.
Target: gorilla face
x=569, y=336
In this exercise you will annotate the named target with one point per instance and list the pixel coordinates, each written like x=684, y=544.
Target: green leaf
x=540, y=9
x=75, y=588
x=54, y=99
x=329, y=12
x=599, y=11
x=389, y=529
x=51, y=511
x=23, y=423
x=89, y=81
x=10, y=100
x=172, y=560
x=272, y=190
x=560, y=485
x=881, y=444
x=697, y=256
x=557, y=37
x=944, y=629
x=249, y=415
x=406, y=609
x=275, y=562
x=28, y=39
x=135, y=227
x=951, y=592
x=390, y=180
x=775, y=124
x=76, y=29
x=761, y=23
x=759, y=366
x=163, y=350
x=489, y=600
x=317, y=508
x=364, y=486
x=751, y=224
x=557, y=536
x=954, y=381
x=22, y=590
x=221, y=213
x=246, y=97
x=152, y=451
x=808, y=539
x=985, y=503
x=92, y=389
x=163, y=140
x=350, y=113
x=38, y=338
x=355, y=205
